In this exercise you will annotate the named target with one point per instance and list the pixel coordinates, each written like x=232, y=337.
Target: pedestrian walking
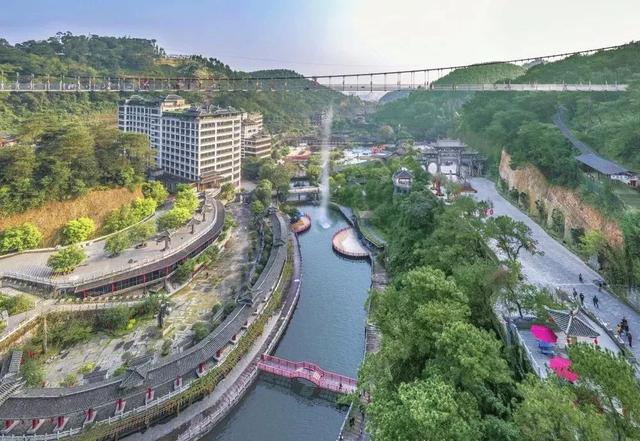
x=575, y=294
x=625, y=325
x=630, y=339
x=595, y=301
x=600, y=285
x=580, y=278
x=581, y=299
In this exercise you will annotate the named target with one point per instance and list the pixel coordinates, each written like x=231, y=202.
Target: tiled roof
x=572, y=323
x=600, y=164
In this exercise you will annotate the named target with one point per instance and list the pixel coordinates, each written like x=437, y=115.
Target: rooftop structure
x=402, y=180
x=193, y=144
x=601, y=165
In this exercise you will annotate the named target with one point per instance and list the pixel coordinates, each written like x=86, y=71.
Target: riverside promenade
x=199, y=418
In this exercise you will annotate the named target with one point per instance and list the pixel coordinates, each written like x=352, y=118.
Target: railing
x=141, y=85
x=308, y=371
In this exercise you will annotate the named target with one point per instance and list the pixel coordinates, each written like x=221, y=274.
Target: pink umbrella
x=543, y=333
x=559, y=363
x=567, y=375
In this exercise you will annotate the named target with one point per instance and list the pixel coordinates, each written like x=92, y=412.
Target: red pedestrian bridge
x=308, y=371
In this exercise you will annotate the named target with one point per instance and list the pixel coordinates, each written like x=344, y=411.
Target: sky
x=333, y=36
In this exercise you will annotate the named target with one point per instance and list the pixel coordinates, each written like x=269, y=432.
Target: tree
x=141, y=208
x=511, y=236
x=142, y=232
x=78, y=230
x=550, y=411
x=612, y=383
x=257, y=209
x=117, y=244
x=186, y=198
x=387, y=133
x=174, y=218
x=592, y=243
x=66, y=260
x=425, y=410
x=263, y=192
x=228, y=191
x=20, y=238
x=156, y=191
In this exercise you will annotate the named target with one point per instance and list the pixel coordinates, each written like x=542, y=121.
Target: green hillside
x=620, y=65
x=489, y=73
x=78, y=55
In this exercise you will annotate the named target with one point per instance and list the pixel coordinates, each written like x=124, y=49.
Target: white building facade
x=255, y=141
x=200, y=145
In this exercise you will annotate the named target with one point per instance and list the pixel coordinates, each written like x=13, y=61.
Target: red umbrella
x=558, y=363
x=561, y=367
x=543, y=333
x=567, y=375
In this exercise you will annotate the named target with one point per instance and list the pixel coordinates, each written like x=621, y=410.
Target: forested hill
x=620, y=65
x=78, y=55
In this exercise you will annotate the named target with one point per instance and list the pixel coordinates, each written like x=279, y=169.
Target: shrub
x=16, y=304
x=113, y=319
x=185, y=270
x=66, y=260
x=200, y=331
x=70, y=380
x=78, y=230
x=32, y=372
x=87, y=368
x=20, y=238
x=166, y=347
x=70, y=333
x=121, y=370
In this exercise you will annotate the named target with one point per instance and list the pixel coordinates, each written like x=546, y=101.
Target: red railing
x=307, y=371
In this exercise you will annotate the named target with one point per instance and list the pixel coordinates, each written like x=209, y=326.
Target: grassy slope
x=51, y=217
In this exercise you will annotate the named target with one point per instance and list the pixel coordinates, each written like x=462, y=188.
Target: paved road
x=559, y=268
x=558, y=120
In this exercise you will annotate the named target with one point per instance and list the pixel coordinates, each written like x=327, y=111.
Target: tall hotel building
x=200, y=145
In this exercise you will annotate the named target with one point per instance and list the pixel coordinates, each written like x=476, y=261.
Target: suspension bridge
x=416, y=79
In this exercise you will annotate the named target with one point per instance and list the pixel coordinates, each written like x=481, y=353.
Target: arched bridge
x=307, y=371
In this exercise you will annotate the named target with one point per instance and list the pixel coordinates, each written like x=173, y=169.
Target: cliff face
x=577, y=214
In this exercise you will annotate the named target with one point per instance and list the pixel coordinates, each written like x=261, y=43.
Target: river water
x=327, y=328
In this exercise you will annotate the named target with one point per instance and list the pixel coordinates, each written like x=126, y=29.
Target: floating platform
x=302, y=225
x=345, y=242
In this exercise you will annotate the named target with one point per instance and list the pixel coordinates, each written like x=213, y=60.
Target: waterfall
x=327, y=121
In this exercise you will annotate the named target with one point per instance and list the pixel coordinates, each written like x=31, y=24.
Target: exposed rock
x=577, y=213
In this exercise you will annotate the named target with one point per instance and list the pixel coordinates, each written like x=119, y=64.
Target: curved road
x=559, y=268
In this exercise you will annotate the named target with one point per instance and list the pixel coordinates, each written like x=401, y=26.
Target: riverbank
x=328, y=328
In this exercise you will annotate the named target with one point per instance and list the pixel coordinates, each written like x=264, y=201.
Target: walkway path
x=559, y=267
